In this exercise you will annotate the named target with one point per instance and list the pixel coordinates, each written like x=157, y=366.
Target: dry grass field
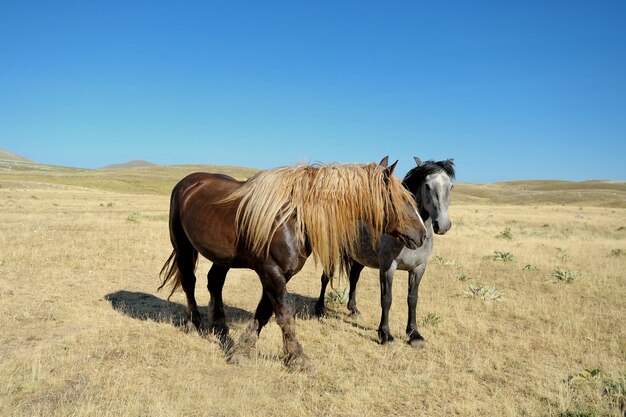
x=523, y=309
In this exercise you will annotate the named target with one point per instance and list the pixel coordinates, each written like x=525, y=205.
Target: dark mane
x=416, y=176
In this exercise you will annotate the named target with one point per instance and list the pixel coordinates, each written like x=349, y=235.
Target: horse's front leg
x=245, y=349
x=386, y=281
x=415, y=277
x=275, y=286
x=275, y=299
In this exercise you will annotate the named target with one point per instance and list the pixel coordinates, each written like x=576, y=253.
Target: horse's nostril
x=436, y=225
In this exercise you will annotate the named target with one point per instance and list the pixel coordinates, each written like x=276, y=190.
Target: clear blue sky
x=511, y=90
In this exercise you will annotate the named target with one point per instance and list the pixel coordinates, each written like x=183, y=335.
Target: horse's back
x=196, y=179
x=207, y=223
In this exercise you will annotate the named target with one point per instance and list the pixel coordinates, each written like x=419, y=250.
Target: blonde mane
x=328, y=202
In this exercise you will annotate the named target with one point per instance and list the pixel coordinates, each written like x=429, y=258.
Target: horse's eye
x=427, y=187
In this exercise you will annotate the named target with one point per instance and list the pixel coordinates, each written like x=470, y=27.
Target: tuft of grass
x=134, y=217
x=441, y=260
x=592, y=380
x=463, y=278
x=505, y=234
x=483, y=292
x=562, y=255
x=616, y=392
x=338, y=296
x=620, y=229
x=529, y=267
x=585, y=375
x=431, y=319
x=578, y=413
x=564, y=275
x=617, y=252
x=503, y=256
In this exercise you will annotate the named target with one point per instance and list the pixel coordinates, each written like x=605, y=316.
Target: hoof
x=191, y=327
x=300, y=363
x=320, y=312
x=188, y=327
x=239, y=359
x=241, y=356
x=219, y=329
x=355, y=315
x=417, y=343
x=387, y=340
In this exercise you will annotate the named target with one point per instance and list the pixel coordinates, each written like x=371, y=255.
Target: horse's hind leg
x=320, y=307
x=355, y=274
x=215, y=283
x=186, y=263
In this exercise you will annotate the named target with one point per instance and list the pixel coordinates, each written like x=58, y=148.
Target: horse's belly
x=367, y=258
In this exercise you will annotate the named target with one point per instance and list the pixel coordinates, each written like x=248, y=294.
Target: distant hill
x=10, y=156
x=534, y=192
x=142, y=177
x=137, y=163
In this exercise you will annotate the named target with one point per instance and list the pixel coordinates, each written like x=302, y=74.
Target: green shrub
x=483, y=292
x=578, y=413
x=464, y=278
x=440, y=260
x=431, y=319
x=564, y=275
x=505, y=234
x=134, y=218
x=503, y=256
x=338, y=296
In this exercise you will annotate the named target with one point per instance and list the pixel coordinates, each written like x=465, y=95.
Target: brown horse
x=271, y=224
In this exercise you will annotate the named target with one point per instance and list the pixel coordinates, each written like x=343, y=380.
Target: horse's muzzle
x=441, y=228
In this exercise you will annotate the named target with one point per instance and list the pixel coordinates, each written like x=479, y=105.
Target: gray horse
x=430, y=182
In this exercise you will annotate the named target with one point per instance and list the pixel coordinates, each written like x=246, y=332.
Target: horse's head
x=402, y=220
x=431, y=183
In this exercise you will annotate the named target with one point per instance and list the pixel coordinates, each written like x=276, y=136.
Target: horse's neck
x=428, y=223
x=424, y=214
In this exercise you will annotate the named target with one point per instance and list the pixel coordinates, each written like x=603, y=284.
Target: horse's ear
x=391, y=168
x=451, y=160
x=418, y=161
x=384, y=162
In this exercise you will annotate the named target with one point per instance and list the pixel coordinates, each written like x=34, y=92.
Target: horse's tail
x=170, y=274
x=181, y=264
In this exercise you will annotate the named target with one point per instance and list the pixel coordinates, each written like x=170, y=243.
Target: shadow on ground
x=303, y=306
x=143, y=306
